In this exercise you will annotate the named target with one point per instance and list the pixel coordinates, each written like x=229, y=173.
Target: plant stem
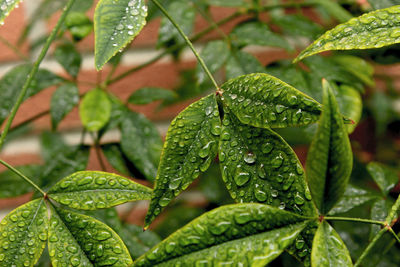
x=17, y=172
x=355, y=220
x=13, y=48
x=393, y=212
x=369, y=247
x=98, y=153
x=394, y=234
x=188, y=42
x=34, y=70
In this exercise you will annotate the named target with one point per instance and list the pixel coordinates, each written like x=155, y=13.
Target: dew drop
x=242, y=178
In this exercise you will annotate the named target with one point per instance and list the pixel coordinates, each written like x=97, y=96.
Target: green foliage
x=147, y=95
x=67, y=55
x=6, y=6
x=95, y=110
x=10, y=183
x=64, y=99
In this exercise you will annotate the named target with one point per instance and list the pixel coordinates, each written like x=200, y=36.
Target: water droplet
x=260, y=195
x=241, y=178
x=277, y=161
x=164, y=201
x=103, y=235
x=267, y=148
x=85, y=180
x=75, y=261
x=242, y=218
x=250, y=158
x=298, y=199
x=220, y=228
x=169, y=247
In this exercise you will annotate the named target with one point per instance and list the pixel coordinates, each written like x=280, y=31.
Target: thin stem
x=394, y=234
x=13, y=48
x=17, y=172
x=369, y=247
x=188, y=42
x=355, y=220
x=393, y=212
x=98, y=152
x=31, y=119
x=34, y=70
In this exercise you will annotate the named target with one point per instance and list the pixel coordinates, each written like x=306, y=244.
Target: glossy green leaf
x=116, y=23
x=11, y=184
x=67, y=55
x=95, y=110
x=261, y=100
x=24, y=234
x=328, y=248
x=141, y=143
x=371, y=30
x=330, y=159
x=379, y=4
x=190, y=146
x=240, y=63
x=91, y=190
x=80, y=240
x=115, y=157
x=385, y=177
x=257, y=165
x=214, y=54
x=147, y=95
x=64, y=99
x=235, y=235
x=6, y=6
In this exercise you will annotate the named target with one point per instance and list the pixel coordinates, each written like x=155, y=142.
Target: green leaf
x=298, y=25
x=240, y=63
x=79, y=25
x=356, y=66
x=190, y=146
x=116, y=23
x=335, y=10
x=91, y=190
x=80, y=240
x=64, y=99
x=51, y=143
x=261, y=100
x=95, y=110
x=6, y=6
x=24, y=234
x=141, y=143
x=385, y=177
x=257, y=165
x=147, y=95
x=371, y=30
x=350, y=104
x=67, y=55
x=115, y=157
x=252, y=234
x=328, y=248
x=214, y=54
x=378, y=4
x=330, y=159
x=11, y=184
x=230, y=3
x=379, y=212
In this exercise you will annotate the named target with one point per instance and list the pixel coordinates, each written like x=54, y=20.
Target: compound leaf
x=252, y=234
x=384, y=177
x=328, y=248
x=330, y=159
x=190, y=146
x=64, y=99
x=264, y=101
x=372, y=30
x=6, y=6
x=116, y=23
x=80, y=240
x=95, y=110
x=24, y=234
x=91, y=190
x=147, y=95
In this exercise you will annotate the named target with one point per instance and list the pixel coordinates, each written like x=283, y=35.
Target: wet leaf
x=91, y=190
x=328, y=248
x=330, y=159
x=147, y=95
x=67, y=55
x=371, y=30
x=356, y=66
x=254, y=234
x=24, y=234
x=378, y=4
x=11, y=184
x=257, y=165
x=350, y=104
x=385, y=177
x=264, y=101
x=95, y=110
x=80, y=240
x=379, y=212
x=6, y=6
x=115, y=157
x=240, y=63
x=116, y=23
x=141, y=143
x=64, y=99
x=189, y=148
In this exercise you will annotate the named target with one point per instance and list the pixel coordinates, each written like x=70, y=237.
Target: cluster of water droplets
x=6, y=6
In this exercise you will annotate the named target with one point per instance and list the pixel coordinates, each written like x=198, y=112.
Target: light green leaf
x=328, y=248
x=11, y=184
x=141, y=143
x=252, y=234
x=240, y=63
x=116, y=23
x=356, y=66
x=95, y=110
x=378, y=4
x=147, y=95
x=371, y=30
x=79, y=25
x=24, y=234
x=64, y=99
x=330, y=159
x=115, y=157
x=91, y=190
x=80, y=240
x=385, y=177
x=67, y=55
x=257, y=165
x=190, y=146
x=6, y=6
x=264, y=101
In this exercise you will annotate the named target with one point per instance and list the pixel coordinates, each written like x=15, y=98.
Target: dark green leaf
x=95, y=110
x=189, y=148
x=379, y=212
x=350, y=104
x=67, y=55
x=108, y=216
x=79, y=240
x=116, y=23
x=261, y=100
x=379, y=4
x=91, y=190
x=115, y=157
x=147, y=95
x=370, y=30
x=51, y=143
x=298, y=25
x=79, y=25
x=356, y=66
x=64, y=99
x=335, y=10
x=6, y=6
x=11, y=184
x=240, y=63
x=141, y=143
x=24, y=234
x=328, y=248
x=252, y=234
x=257, y=165
x=385, y=177
x=330, y=159
x=118, y=109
